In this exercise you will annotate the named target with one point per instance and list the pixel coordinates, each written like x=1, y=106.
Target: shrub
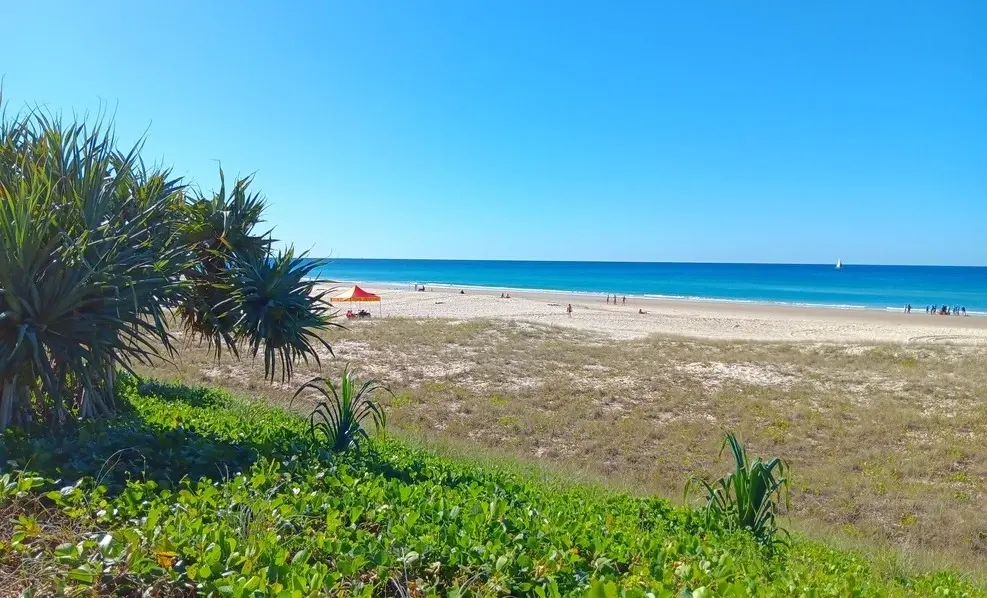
x=193, y=492
x=85, y=269
x=338, y=421
x=745, y=498
x=97, y=249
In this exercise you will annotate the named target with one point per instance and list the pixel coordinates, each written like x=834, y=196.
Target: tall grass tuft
x=746, y=498
x=337, y=422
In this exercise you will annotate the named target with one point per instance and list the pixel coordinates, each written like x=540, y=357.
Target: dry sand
x=702, y=319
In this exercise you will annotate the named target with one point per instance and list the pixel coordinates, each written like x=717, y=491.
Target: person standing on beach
x=608, y=298
x=624, y=300
x=568, y=310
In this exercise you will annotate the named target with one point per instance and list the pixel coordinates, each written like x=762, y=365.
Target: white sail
x=839, y=264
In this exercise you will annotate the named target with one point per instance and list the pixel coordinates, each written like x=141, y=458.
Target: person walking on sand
x=608, y=298
x=624, y=300
x=568, y=310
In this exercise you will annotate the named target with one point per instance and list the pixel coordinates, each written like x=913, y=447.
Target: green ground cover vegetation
x=194, y=492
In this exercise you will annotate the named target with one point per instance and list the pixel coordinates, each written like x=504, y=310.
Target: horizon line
x=708, y=263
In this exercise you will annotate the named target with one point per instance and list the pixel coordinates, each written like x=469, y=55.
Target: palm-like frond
x=84, y=264
x=281, y=312
x=745, y=498
x=218, y=231
x=96, y=248
x=338, y=420
x=221, y=226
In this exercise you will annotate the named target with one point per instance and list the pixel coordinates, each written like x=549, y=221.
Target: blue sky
x=771, y=131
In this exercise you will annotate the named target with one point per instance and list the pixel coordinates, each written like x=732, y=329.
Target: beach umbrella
x=357, y=294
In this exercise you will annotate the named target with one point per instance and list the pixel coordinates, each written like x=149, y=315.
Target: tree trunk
x=58, y=415
x=111, y=379
x=83, y=404
x=8, y=395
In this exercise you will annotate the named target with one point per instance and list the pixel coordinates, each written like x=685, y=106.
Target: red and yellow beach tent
x=356, y=294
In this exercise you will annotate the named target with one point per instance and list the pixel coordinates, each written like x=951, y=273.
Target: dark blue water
x=881, y=287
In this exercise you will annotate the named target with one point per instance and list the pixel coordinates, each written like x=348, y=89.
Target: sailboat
x=839, y=264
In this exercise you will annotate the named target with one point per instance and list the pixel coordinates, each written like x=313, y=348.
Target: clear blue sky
x=519, y=129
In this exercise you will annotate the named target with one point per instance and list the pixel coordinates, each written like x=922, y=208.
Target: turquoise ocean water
x=853, y=286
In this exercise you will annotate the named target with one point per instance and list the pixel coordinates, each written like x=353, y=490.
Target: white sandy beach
x=711, y=320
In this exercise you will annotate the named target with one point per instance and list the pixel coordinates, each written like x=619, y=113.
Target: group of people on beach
x=941, y=310
x=623, y=301
x=568, y=309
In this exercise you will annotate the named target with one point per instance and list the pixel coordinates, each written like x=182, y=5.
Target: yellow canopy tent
x=357, y=294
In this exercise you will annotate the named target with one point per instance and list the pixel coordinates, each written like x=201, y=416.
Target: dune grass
x=195, y=492
x=884, y=442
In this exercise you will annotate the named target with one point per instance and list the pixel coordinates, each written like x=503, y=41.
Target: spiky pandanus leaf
x=96, y=249
x=238, y=293
x=218, y=230
x=745, y=497
x=221, y=226
x=282, y=314
x=84, y=264
x=338, y=419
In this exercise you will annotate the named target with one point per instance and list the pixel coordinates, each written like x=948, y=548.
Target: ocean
x=853, y=286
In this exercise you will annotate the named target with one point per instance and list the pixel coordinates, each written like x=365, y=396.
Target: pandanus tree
x=99, y=253
x=238, y=292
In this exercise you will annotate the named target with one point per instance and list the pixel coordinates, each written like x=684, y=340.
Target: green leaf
x=83, y=574
x=501, y=561
x=104, y=543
